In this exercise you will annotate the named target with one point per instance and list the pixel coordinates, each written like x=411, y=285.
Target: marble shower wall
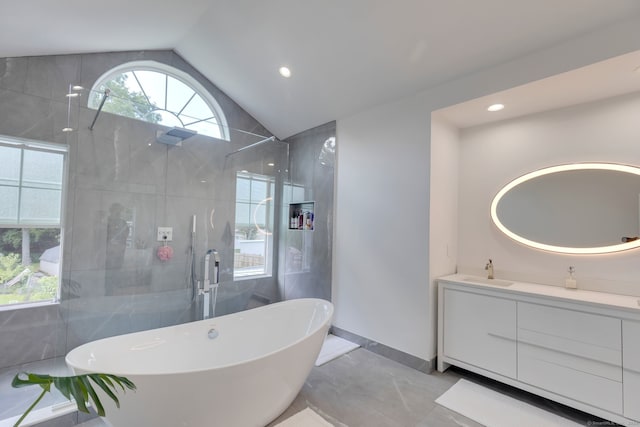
x=306, y=255
x=118, y=174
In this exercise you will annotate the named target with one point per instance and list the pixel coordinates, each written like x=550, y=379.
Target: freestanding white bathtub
x=246, y=376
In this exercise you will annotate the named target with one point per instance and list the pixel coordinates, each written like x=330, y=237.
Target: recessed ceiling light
x=271, y=164
x=495, y=107
x=285, y=72
x=67, y=129
x=77, y=87
x=73, y=95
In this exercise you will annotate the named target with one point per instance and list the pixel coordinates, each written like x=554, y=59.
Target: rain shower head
x=174, y=136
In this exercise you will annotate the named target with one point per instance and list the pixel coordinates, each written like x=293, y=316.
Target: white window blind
x=31, y=175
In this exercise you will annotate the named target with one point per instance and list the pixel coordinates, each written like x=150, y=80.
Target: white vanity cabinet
x=631, y=372
x=576, y=347
x=481, y=331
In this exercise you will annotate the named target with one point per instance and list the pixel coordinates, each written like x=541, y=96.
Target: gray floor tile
x=363, y=389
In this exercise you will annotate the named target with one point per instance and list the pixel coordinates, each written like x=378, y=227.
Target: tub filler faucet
x=210, y=282
x=489, y=268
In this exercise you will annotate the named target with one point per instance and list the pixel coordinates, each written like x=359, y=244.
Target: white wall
x=443, y=237
x=493, y=155
x=382, y=236
x=382, y=195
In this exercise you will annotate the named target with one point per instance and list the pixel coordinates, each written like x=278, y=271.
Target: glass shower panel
x=306, y=240
x=253, y=179
x=116, y=277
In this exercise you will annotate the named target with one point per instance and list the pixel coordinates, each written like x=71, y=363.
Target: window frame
x=62, y=149
x=270, y=182
x=183, y=77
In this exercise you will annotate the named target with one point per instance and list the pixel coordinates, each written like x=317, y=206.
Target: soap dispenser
x=570, y=282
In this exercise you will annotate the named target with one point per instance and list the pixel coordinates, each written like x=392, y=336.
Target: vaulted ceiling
x=345, y=55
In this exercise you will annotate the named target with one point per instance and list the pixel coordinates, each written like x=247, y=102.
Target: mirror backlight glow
x=551, y=170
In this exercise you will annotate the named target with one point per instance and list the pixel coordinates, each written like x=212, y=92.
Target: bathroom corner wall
x=306, y=255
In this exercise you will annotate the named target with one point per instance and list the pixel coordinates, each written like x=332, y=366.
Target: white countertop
x=599, y=298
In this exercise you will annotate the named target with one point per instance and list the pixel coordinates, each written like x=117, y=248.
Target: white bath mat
x=493, y=409
x=305, y=418
x=334, y=347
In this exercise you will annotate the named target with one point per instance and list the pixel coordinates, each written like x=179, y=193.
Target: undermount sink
x=484, y=280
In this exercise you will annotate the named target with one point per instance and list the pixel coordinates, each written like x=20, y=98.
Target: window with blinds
x=31, y=193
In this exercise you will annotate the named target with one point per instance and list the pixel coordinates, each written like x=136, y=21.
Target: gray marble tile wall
x=305, y=255
x=31, y=108
x=117, y=172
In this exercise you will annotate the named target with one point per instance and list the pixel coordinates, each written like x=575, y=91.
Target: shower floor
x=14, y=401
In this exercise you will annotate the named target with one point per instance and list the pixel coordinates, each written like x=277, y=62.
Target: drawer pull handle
x=617, y=364
x=491, y=334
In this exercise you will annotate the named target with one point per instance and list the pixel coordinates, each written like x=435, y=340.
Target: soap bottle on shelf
x=570, y=282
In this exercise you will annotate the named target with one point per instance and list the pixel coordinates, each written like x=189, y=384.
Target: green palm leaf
x=77, y=387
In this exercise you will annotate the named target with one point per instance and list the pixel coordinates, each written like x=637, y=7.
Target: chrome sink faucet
x=489, y=268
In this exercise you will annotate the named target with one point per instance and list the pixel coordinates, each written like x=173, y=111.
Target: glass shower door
x=246, y=225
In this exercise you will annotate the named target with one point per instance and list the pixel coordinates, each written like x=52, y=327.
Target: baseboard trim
x=426, y=366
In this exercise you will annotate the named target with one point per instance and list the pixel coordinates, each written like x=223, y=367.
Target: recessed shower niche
x=301, y=215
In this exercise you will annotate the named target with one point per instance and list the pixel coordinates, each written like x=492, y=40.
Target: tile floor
x=363, y=389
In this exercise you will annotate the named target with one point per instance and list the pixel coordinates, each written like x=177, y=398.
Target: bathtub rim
x=325, y=324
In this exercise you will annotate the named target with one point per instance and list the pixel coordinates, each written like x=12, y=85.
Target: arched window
x=157, y=93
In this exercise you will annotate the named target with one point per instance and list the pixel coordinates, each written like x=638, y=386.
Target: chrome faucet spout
x=489, y=268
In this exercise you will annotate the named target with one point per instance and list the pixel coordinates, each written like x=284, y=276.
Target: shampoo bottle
x=570, y=282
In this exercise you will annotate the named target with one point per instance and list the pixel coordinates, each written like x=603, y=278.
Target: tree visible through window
x=156, y=93
x=30, y=206
x=125, y=101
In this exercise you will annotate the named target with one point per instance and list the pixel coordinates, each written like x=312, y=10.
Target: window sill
x=21, y=306
x=251, y=276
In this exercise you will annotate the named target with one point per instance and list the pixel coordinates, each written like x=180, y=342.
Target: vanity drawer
x=571, y=376
x=582, y=334
x=571, y=353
